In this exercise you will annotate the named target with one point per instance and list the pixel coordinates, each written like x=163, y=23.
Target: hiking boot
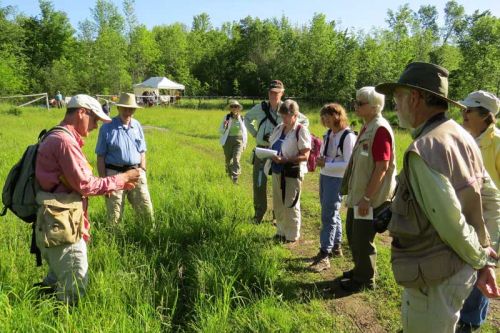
x=336, y=251
x=279, y=239
x=348, y=274
x=463, y=327
x=320, y=265
x=354, y=286
x=256, y=220
x=44, y=289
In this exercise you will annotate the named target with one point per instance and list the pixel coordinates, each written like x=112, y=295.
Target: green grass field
x=203, y=267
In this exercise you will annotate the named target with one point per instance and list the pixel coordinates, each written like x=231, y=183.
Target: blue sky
x=361, y=14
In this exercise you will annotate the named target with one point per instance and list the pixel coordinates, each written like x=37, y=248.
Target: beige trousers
x=138, y=197
x=68, y=267
x=287, y=212
x=436, y=309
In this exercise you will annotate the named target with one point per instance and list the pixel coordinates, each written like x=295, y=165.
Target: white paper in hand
x=368, y=216
x=265, y=153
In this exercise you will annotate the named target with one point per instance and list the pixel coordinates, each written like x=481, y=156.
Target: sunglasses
x=358, y=103
x=234, y=106
x=468, y=110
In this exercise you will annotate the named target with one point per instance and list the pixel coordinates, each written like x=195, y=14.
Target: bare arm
x=143, y=161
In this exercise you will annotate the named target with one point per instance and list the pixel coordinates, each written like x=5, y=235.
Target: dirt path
x=357, y=310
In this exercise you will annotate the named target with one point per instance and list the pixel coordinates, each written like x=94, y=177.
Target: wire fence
x=32, y=98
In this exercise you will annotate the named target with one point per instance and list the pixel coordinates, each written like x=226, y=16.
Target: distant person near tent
x=59, y=100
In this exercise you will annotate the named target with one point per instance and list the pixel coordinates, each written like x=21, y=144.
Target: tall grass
x=200, y=267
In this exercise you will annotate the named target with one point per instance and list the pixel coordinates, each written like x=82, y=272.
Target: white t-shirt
x=336, y=159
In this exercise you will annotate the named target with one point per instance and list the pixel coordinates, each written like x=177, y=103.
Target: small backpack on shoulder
x=314, y=152
x=21, y=186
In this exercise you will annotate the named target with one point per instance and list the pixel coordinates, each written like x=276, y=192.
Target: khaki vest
x=361, y=166
x=419, y=256
x=60, y=219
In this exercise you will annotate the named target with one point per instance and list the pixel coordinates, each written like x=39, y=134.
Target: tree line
x=111, y=50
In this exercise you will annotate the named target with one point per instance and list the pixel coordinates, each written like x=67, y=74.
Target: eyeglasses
x=359, y=104
x=234, y=106
x=468, y=110
x=91, y=115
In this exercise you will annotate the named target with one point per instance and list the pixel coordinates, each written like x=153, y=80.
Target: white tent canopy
x=156, y=84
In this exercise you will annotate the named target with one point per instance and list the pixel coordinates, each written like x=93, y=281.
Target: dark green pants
x=361, y=236
x=232, y=151
x=259, y=189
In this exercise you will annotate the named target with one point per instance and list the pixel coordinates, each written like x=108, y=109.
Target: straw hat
x=235, y=102
x=127, y=100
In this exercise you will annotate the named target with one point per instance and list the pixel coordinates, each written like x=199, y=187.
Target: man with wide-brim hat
x=439, y=237
x=121, y=146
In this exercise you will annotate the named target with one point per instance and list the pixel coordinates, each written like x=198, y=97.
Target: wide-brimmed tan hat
x=90, y=103
x=235, y=102
x=422, y=76
x=127, y=100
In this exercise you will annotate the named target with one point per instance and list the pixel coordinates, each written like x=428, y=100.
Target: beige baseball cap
x=482, y=98
x=90, y=103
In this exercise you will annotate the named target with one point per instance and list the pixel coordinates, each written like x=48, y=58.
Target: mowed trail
x=363, y=312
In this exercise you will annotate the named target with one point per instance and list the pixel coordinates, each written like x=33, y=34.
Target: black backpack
x=341, y=141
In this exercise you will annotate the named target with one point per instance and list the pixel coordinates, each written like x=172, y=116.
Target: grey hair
x=373, y=98
x=289, y=107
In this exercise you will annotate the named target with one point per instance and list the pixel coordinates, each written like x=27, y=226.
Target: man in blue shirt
x=121, y=146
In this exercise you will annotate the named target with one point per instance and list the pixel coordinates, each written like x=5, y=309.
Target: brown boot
x=320, y=263
x=337, y=251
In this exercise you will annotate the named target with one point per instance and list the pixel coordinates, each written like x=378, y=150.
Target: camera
x=381, y=221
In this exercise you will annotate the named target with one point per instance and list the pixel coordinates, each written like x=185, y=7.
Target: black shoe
x=44, y=289
x=256, y=220
x=279, y=239
x=463, y=327
x=348, y=274
x=354, y=287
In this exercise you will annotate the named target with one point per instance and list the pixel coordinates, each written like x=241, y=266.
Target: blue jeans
x=475, y=308
x=331, y=224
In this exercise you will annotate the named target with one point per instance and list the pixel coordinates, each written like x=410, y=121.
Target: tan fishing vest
x=60, y=219
x=419, y=256
x=361, y=166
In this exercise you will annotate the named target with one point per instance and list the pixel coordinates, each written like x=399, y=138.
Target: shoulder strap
x=265, y=107
x=299, y=126
x=43, y=134
x=341, y=142
x=327, y=141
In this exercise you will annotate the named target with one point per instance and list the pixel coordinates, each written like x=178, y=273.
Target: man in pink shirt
x=61, y=168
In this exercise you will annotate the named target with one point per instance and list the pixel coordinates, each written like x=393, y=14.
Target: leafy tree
x=13, y=64
x=143, y=51
x=480, y=67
